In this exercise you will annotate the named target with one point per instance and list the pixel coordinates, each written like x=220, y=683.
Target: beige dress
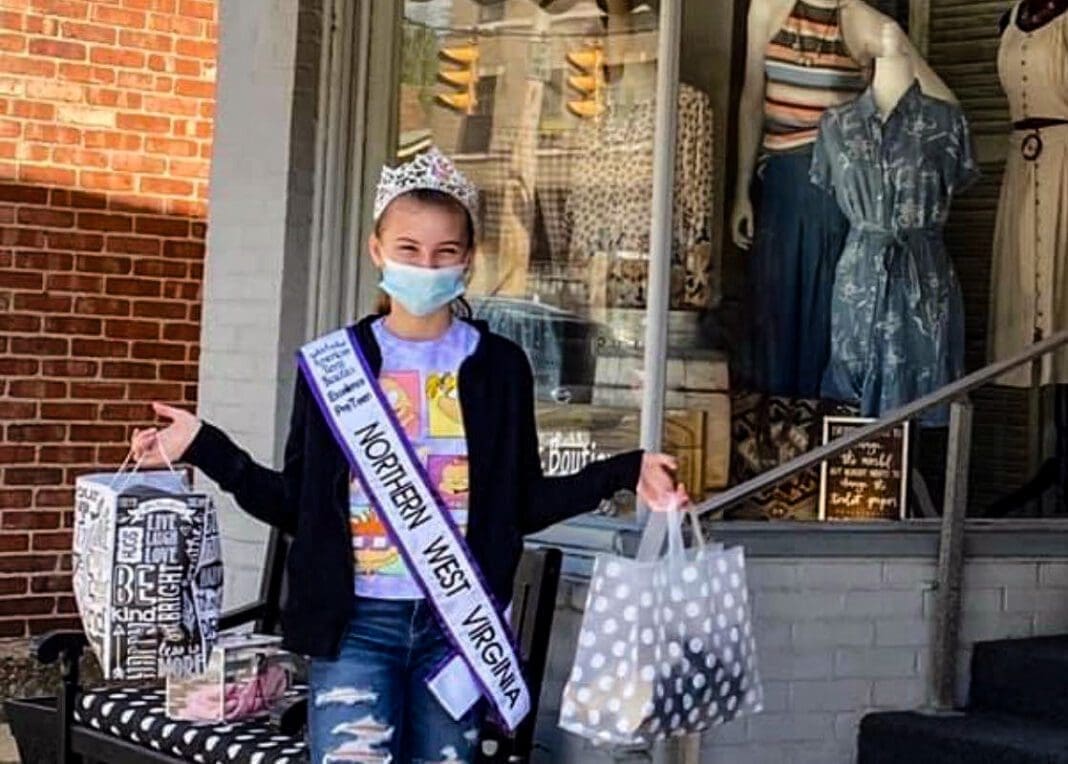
x=1029, y=283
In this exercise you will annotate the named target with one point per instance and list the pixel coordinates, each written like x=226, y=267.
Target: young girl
x=463, y=398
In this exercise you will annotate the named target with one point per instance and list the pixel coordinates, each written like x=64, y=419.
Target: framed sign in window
x=868, y=481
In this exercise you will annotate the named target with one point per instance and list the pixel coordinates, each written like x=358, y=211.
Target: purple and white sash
x=421, y=527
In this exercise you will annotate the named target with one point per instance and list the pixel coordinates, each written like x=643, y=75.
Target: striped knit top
x=808, y=69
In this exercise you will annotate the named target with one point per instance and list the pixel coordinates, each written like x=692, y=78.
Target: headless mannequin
x=1033, y=15
x=862, y=31
x=894, y=70
x=894, y=74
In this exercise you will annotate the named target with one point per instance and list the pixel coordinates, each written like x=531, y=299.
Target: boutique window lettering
x=565, y=453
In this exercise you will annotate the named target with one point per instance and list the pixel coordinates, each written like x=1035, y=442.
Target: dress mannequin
x=862, y=29
x=1029, y=299
x=790, y=58
x=894, y=158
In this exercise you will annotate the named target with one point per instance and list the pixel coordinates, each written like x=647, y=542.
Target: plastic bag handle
x=676, y=545
x=695, y=521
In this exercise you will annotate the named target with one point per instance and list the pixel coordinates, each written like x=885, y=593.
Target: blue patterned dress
x=897, y=316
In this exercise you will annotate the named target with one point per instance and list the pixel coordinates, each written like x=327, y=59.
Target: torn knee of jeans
x=346, y=696
x=367, y=742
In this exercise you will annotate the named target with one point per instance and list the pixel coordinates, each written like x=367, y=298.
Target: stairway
x=1017, y=713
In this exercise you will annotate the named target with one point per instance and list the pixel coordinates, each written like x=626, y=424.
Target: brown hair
x=440, y=199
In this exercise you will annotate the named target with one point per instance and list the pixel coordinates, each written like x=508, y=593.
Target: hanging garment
x=1029, y=278
x=807, y=68
x=897, y=315
x=610, y=207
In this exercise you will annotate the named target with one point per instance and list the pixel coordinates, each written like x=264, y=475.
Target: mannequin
x=1027, y=297
x=894, y=71
x=799, y=231
x=894, y=158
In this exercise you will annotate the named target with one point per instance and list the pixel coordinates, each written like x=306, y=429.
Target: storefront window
x=864, y=229
x=549, y=108
x=893, y=242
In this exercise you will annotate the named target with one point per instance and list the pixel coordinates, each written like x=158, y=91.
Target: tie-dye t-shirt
x=419, y=378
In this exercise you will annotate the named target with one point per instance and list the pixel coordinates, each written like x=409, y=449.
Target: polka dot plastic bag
x=666, y=647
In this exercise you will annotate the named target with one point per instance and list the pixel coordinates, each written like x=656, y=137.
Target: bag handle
x=676, y=545
x=137, y=465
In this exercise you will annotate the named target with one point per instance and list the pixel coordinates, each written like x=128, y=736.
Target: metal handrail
x=940, y=397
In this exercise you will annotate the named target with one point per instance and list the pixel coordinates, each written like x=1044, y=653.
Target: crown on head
x=429, y=170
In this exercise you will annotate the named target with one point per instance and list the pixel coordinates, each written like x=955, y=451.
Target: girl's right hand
x=173, y=439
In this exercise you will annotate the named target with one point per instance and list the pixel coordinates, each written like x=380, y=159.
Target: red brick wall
x=105, y=140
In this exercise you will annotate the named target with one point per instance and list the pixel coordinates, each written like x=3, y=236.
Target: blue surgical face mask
x=421, y=291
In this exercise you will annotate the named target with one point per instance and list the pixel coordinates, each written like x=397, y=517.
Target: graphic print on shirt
x=448, y=475
x=402, y=392
x=420, y=381
x=373, y=552
x=444, y=406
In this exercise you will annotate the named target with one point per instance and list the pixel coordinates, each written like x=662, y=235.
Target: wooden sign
x=868, y=481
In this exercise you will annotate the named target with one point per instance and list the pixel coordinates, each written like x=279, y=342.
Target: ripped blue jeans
x=372, y=703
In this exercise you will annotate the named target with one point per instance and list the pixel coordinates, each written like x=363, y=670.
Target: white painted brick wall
x=835, y=639
x=239, y=385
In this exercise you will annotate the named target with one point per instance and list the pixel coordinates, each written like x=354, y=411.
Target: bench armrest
x=242, y=615
x=51, y=646
x=290, y=715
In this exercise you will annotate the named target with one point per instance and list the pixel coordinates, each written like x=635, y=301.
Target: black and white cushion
x=137, y=714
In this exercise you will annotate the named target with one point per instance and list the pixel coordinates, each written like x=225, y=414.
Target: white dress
x=1029, y=278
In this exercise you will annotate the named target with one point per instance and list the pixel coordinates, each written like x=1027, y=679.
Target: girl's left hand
x=656, y=485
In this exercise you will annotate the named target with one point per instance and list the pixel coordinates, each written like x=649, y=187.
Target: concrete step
x=910, y=737
x=1022, y=677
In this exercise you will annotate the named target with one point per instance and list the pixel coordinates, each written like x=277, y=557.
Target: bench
x=121, y=724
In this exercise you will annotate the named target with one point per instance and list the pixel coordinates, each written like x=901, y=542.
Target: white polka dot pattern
x=136, y=714
x=665, y=649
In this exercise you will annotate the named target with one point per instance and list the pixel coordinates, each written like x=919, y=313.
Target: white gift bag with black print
x=147, y=572
x=666, y=647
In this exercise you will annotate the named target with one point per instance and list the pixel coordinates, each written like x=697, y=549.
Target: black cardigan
x=308, y=498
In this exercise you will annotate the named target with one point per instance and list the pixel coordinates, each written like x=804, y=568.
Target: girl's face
x=426, y=235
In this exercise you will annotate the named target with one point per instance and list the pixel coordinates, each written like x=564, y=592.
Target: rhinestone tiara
x=429, y=170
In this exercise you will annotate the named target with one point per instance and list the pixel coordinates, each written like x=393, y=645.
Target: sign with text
x=868, y=481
